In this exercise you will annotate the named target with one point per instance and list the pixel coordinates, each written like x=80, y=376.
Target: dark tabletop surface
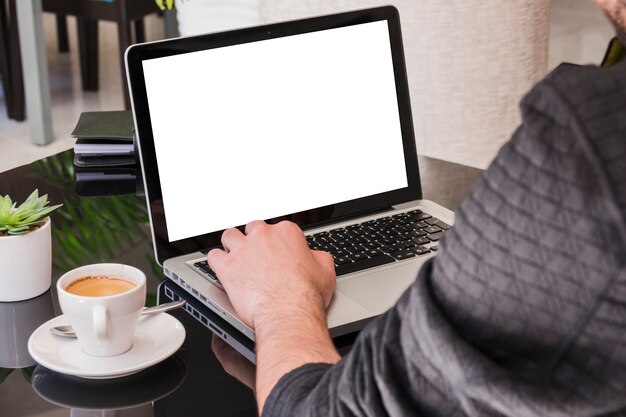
x=106, y=221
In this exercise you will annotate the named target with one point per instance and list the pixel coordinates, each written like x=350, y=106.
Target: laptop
x=307, y=120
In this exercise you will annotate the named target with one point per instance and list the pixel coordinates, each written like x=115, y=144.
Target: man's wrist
x=289, y=336
x=310, y=306
x=299, y=331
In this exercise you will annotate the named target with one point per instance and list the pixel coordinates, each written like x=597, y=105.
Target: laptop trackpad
x=380, y=290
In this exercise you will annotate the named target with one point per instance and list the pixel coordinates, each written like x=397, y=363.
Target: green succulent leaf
x=18, y=230
x=35, y=216
x=32, y=213
x=31, y=204
x=5, y=206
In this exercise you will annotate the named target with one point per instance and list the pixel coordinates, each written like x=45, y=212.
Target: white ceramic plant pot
x=26, y=264
x=203, y=16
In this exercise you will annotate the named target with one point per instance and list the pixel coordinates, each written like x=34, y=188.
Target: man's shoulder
x=567, y=73
x=580, y=91
x=585, y=105
x=584, y=83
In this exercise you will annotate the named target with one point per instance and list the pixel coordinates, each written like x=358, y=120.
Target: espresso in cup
x=99, y=286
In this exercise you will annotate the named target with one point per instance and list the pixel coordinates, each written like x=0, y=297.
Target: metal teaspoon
x=67, y=331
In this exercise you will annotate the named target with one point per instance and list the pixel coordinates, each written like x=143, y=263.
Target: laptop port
x=215, y=329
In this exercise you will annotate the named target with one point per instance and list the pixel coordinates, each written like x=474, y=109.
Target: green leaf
x=36, y=216
x=56, y=164
x=30, y=213
x=41, y=201
x=5, y=206
x=18, y=230
x=69, y=249
x=27, y=373
x=170, y=4
x=151, y=300
x=26, y=206
x=4, y=373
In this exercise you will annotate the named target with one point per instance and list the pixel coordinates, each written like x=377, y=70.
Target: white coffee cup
x=104, y=324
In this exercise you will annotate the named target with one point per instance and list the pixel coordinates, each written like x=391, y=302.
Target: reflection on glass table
x=169, y=291
x=133, y=395
x=234, y=351
x=108, y=181
x=17, y=321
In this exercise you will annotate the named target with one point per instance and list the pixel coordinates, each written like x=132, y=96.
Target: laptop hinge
x=339, y=219
x=206, y=250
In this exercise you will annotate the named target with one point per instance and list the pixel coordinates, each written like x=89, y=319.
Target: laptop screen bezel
x=136, y=54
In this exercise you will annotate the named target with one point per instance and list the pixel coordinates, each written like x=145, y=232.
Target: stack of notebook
x=104, y=138
x=104, y=153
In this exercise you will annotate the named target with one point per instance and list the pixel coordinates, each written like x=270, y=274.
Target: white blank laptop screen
x=269, y=128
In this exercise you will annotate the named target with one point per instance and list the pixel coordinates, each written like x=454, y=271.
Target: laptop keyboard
x=372, y=243
x=380, y=241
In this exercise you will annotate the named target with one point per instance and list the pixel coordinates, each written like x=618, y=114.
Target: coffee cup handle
x=100, y=322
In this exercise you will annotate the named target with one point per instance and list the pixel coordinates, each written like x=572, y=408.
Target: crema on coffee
x=99, y=286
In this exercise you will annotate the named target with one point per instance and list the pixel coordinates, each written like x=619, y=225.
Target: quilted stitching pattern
x=533, y=273
x=523, y=312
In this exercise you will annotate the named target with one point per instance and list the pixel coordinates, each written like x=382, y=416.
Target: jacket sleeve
x=385, y=373
x=523, y=311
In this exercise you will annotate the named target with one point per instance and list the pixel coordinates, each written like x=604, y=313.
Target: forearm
x=288, y=338
x=382, y=375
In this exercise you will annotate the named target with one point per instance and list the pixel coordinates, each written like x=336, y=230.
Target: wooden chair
x=88, y=13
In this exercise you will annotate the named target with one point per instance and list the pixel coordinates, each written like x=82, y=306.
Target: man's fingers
x=215, y=257
x=253, y=225
x=325, y=259
x=231, y=238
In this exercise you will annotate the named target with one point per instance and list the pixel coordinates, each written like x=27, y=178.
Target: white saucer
x=158, y=337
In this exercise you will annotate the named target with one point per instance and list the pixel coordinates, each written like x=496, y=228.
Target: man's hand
x=280, y=288
x=271, y=268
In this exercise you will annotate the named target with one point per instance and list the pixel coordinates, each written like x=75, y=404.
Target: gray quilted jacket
x=523, y=312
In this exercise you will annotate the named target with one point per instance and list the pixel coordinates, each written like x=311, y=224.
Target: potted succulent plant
x=25, y=247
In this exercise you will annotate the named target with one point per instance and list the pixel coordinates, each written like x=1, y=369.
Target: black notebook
x=104, y=139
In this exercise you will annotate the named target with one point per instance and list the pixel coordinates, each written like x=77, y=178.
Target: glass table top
x=104, y=219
